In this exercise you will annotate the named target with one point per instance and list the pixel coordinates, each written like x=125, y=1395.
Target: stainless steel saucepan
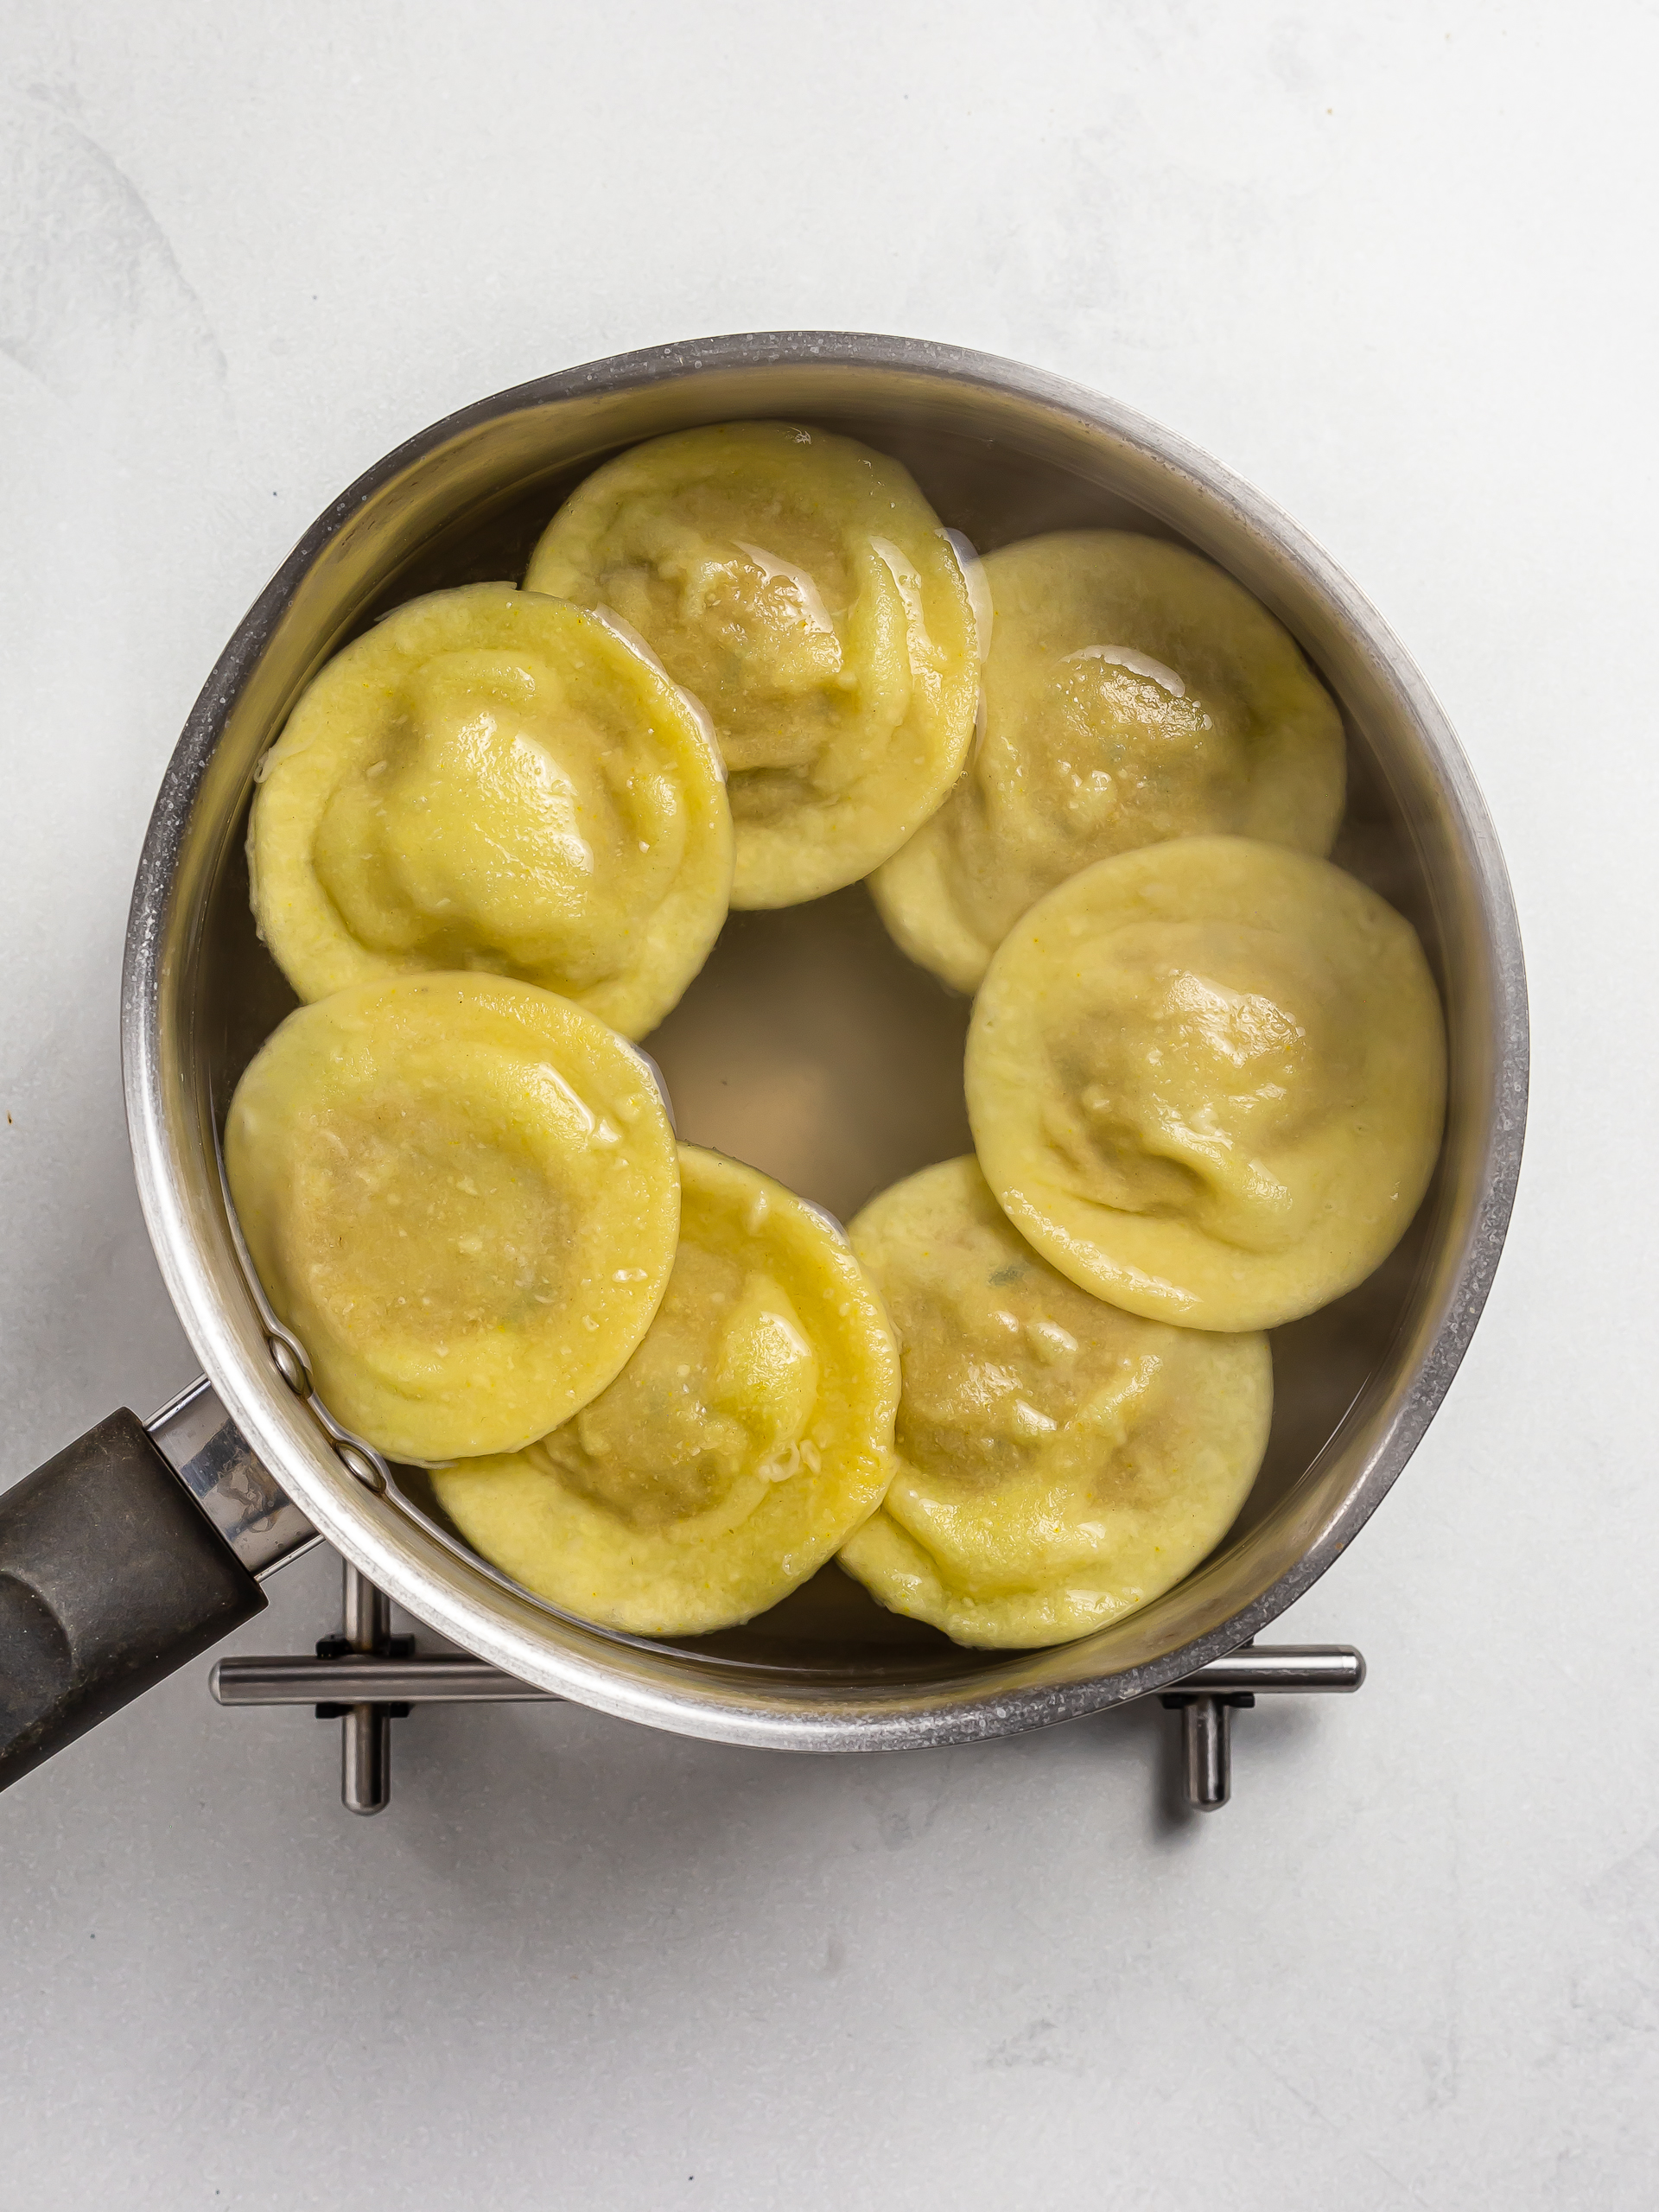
x=808, y=1045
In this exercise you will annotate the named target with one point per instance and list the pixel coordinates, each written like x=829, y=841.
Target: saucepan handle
x=112, y=1575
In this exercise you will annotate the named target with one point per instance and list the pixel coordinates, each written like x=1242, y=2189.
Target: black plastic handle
x=110, y=1576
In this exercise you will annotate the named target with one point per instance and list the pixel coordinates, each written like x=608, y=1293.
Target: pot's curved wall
x=1003, y=451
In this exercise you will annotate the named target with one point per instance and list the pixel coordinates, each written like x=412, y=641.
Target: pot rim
x=452, y=1599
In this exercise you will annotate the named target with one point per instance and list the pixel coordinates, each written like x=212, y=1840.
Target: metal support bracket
x=365, y=1637
x=367, y=1678
x=1206, y=1745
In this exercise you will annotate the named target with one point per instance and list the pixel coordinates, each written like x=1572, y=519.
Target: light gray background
x=1393, y=263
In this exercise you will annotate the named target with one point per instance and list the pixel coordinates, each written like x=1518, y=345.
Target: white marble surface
x=1395, y=264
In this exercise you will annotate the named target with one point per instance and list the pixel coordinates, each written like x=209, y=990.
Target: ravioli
x=491, y=780
x=1206, y=1080
x=750, y=1433
x=802, y=587
x=1134, y=693
x=461, y=1193
x=1060, y=1462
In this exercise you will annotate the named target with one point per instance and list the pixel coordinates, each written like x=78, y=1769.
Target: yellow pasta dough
x=801, y=586
x=748, y=1434
x=1133, y=692
x=489, y=779
x=1206, y=1080
x=461, y=1193
x=1060, y=1462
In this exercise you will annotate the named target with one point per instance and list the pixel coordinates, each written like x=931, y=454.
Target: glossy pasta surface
x=1206, y=1080
x=489, y=779
x=461, y=1193
x=1060, y=1462
x=1134, y=693
x=801, y=586
x=749, y=1434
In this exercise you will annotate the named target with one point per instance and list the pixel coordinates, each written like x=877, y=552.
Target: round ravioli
x=802, y=587
x=1060, y=1462
x=1133, y=692
x=1207, y=1080
x=750, y=1433
x=461, y=1193
x=489, y=779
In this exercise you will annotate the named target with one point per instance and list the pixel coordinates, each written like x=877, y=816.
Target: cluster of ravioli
x=1091, y=780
